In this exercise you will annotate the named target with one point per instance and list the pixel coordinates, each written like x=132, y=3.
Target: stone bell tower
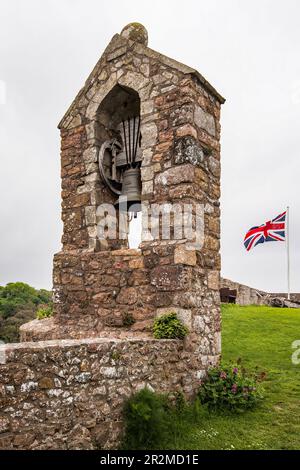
x=146, y=127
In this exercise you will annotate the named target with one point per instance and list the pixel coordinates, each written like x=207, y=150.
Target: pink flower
x=223, y=375
x=234, y=388
x=235, y=370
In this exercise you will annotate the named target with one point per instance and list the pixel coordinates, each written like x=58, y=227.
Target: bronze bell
x=131, y=188
x=128, y=161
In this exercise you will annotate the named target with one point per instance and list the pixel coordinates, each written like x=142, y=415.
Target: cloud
x=248, y=50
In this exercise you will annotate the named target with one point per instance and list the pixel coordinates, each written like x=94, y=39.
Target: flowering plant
x=231, y=388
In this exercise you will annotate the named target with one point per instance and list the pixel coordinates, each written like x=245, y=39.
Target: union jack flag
x=271, y=231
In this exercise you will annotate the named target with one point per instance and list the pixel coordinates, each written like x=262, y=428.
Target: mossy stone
x=135, y=32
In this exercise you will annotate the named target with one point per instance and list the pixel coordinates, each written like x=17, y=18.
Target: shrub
x=18, y=305
x=156, y=421
x=146, y=420
x=45, y=311
x=9, y=327
x=230, y=388
x=168, y=326
x=44, y=296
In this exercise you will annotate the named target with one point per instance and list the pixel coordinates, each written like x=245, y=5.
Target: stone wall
x=104, y=290
x=294, y=296
x=69, y=394
x=250, y=296
x=245, y=295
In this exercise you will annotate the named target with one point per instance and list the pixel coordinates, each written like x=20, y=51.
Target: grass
x=261, y=337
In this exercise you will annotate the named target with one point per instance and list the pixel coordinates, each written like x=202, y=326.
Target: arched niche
x=118, y=135
x=119, y=104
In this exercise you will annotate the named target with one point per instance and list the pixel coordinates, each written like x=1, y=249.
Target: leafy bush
x=45, y=311
x=168, y=326
x=9, y=327
x=18, y=305
x=156, y=421
x=44, y=296
x=146, y=420
x=230, y=388
x=18, y=294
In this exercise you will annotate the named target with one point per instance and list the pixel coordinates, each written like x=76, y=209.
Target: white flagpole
x=288, y=249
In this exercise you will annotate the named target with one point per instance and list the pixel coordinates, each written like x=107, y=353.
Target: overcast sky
x=249, y=50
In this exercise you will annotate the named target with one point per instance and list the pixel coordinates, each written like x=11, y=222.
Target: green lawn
x=261, y=337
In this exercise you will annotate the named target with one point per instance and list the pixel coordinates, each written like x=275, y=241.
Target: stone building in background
x=237, y=293
x=107, y=295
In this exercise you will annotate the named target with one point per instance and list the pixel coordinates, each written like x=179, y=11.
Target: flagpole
x=288, y=249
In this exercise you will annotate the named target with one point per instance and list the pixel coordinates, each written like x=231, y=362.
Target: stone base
x=69, y=394
x=103, y=291
x=50, y=329
x=39, y=330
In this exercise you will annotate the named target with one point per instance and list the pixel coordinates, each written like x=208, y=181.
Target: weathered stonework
x=103, y=289
x=96, y=284
x=70, y=394
x=235, y=292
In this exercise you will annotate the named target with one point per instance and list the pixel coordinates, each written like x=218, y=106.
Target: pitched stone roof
x=117, y=47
